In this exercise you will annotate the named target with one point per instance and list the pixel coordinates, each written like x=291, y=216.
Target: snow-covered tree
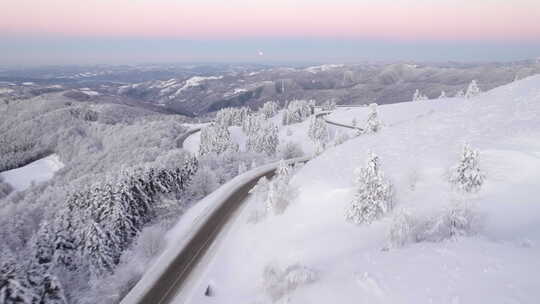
x=329, y=105
x=318, y=132
x=269, y=109
x=280, y=192
x=443, y=95
x=53, y=292
x=473, y=90
x=418, y=96
x=12, y=287
x=265, y=139
x=99, y=250
x=373, y=124
x=460, y=94
x=5, y=188
x=297, y=111
x=291, y=150
x=242, y=168
x=232, y=116
x=253, y=123
x=467, y=176
x=216, y=139
x=373, y=193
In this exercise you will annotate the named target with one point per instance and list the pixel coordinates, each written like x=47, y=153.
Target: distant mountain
x=195, y=90
x=347, y=84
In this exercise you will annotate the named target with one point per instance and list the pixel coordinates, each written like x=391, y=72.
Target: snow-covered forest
x=119, y=180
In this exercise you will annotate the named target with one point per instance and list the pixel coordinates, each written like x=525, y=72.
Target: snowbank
x=38, y=171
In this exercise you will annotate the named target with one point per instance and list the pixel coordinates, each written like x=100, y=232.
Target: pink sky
x=398, y=19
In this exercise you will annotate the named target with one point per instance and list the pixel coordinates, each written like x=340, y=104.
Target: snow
x=323, y=68
x=497, y=263
x=236, y=91
x=27, y=83
x=194, y=82
x=35, y=172
x=89, y=92
x=5, y=90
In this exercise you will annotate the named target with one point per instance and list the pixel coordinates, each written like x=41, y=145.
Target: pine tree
x=318, y=132
x=419, y=96
x=242, y=168
x=99, y=250
x=264, y=139
x=216, y=139
x=373, y=124
x=65, y=242
x=41, y=261
x=53, y=292
x=279, y=191
x=467, y=176
x=460, y=94
x=329, y=105
x=373, y=196
x=297, y=111
x=12, y=288
x=269, y=109
x=473, y=90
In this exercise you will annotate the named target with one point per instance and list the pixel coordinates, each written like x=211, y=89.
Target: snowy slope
x=38, y=171
x=498, y=263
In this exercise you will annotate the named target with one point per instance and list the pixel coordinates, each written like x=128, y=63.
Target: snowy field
x=35, y=172
x=497, y=261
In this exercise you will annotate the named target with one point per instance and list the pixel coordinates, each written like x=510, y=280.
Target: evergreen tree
x=460, y=94
x=329, y=105
x=216, y=139
x=297, y=111
x=264, y=139
x=418, y=96
x=318, y=132
x=373, y=124
x=53, y=292
x=99, y=250
x=473, y=90
x=269, y=109
x=467, y=176
x=280, y=192
x=373, y=195
x=65, y=241
x=12, y=287
x=242, y=168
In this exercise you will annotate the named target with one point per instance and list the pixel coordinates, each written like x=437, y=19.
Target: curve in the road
x=162, y=283
x=337, y=124
x=180, y=141
x=168, y=276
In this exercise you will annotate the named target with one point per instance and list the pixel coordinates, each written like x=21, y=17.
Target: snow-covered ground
x=497, y=263
x=35, y=172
